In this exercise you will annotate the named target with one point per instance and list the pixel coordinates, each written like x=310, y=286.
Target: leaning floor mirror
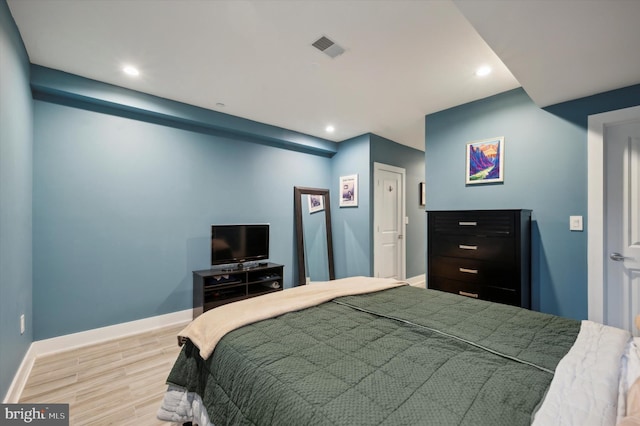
x=313, y=234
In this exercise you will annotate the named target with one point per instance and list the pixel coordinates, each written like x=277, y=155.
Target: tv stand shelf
x=215, y=287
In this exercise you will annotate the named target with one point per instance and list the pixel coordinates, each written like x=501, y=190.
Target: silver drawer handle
x=468, y=271
x=464, y=293
x=465, y=247
x=468, y=223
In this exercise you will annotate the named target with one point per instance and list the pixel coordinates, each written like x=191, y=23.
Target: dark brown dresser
x=484, y=254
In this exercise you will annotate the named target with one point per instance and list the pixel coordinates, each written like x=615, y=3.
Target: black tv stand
x=215, y=287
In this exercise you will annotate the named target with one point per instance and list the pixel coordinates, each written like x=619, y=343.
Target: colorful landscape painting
x=485, y=161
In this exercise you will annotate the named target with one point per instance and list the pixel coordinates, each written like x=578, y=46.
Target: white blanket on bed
x=584, y=389
x=206, y=331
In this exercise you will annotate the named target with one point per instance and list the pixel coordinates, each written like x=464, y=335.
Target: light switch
x=575, y=223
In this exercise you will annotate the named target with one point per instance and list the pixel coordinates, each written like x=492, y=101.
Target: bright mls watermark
x=34, y=414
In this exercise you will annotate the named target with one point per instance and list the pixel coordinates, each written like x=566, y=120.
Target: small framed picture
x=485, y=161
x=421, y=194
x=349, y=191
x=316, y=203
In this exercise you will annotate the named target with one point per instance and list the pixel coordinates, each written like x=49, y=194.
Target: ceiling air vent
x=328, y=47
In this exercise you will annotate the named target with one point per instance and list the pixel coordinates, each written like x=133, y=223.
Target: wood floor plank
x=42, y=389
x=118, y=382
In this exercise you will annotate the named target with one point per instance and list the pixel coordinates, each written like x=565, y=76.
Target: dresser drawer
x=496, y=274
x=473, y=223
x=474, y=247
x=475, y=291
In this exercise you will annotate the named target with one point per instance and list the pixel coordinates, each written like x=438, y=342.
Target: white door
x=622, y=213
x=389, y=222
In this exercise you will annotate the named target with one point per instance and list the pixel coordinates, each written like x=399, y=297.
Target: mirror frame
x=298, y=192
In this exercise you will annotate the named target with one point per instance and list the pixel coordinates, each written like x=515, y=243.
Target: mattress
x=398, y=356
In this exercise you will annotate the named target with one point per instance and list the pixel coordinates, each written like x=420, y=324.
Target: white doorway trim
x=377, y=167
x=596, y=229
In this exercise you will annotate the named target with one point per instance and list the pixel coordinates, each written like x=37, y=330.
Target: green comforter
x=403, y=356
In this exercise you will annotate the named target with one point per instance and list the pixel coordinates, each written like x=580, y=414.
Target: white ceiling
x=563, y=49
x=403, y=59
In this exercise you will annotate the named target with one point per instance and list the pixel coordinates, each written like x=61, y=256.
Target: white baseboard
x=103, y=334
x=85, y=338
x=418, y=281
x=20, y=378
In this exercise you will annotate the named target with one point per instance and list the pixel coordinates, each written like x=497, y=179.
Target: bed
x=368, y=351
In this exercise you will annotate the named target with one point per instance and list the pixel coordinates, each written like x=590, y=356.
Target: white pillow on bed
x=629, y=373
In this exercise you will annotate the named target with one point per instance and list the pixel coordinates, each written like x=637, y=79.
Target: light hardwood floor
x=119, y=382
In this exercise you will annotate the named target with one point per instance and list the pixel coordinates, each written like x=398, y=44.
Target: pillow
x=629, y=389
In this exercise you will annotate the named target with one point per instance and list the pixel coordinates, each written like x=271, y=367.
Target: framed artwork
x=316, y=203
x=421, y=194
x=348, y=191
x=485, y=161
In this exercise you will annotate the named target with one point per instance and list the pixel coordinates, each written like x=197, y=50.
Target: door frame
x=596, y=227
x=377, y=167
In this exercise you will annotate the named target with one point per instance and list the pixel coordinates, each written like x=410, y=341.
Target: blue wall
x=122, y=208
x=351, y=226
x=412, y=160
x=126, y=186
x=545, y=170
x=16, y=147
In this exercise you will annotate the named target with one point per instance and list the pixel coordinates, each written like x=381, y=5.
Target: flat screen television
x=239, y=243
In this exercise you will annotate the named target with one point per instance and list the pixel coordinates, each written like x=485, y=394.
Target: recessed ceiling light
x=329, y=129
x=130, y=70
x=482, y=71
